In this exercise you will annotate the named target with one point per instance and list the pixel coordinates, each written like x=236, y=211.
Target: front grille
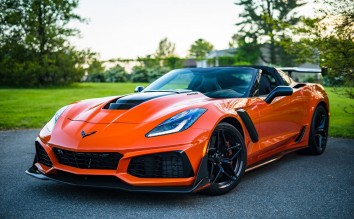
x=42, y=156
x=88, y=160
x=162, y=165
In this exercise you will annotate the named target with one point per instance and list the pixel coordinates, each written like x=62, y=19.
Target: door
x=281, y=121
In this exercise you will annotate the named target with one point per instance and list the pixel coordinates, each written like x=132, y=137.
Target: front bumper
x=104, y=181
x=47, y=165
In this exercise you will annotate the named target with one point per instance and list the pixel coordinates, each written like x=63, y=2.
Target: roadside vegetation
x=36, y=56
x=32, y=108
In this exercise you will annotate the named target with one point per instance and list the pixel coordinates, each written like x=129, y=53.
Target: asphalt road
x=296, y=186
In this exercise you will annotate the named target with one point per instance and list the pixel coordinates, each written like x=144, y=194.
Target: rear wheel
x=318, y=132
x=226, y=159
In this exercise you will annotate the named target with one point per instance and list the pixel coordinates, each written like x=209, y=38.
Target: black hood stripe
x=130, y=101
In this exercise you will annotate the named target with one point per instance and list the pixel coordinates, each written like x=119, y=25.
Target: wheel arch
x=323, y=103
x=234, y=122
x=313, y=108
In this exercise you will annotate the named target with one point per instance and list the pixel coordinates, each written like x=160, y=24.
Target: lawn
x=32, y=108
x=342, y=114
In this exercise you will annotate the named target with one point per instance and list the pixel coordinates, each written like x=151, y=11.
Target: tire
x=318, y=132
x=227, y=158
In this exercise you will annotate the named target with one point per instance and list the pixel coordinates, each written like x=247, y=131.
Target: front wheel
x=318, y=132
x=227, y=159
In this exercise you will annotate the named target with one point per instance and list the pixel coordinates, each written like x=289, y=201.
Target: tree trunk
x=41, y=29
x=273, y=58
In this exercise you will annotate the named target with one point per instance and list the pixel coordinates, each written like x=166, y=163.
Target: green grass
x=32, y=108
x=342, y=114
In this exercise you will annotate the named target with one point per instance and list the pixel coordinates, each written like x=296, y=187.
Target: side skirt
x=271, y=159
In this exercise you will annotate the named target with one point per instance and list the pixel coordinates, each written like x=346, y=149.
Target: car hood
x=95, y=119
x=134, y=108
x=110, y=128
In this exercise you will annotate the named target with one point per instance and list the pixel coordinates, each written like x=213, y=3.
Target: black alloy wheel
x=318, y=132
x=226, y=159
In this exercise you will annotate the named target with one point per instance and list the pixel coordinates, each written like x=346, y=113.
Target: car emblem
x=83, y=134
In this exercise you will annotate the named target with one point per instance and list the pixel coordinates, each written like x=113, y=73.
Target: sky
x=133, y=28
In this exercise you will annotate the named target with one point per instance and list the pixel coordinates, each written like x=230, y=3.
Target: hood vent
x=130, y=101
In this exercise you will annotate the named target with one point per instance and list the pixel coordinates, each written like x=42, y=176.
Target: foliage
x=143, y=74
x=267, y=23
x=165, y=49
x=247, y=53
x=172, y=62
x=34, y=50
x=200, y=48
x=95, y=67
x=154, y=66
x=116, y=74
x=329, y=40
x=139, y=74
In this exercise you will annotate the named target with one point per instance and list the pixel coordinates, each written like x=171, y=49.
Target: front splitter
x=113, y=182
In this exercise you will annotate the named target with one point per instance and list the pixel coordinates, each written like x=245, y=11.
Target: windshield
x=213, y=82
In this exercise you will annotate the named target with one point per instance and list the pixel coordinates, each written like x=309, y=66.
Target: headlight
x=177, y=123
x=51, y=123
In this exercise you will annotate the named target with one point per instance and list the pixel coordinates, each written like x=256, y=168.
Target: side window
x=272, y=80
x=267, y=84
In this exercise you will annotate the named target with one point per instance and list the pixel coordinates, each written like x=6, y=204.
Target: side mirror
x=138, y=89
x=277, y=92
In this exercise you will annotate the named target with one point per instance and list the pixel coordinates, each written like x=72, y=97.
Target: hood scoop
x=130, y=101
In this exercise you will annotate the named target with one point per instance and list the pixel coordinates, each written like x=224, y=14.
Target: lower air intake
x=42, y=156
x=162, y=165
x=88, y=160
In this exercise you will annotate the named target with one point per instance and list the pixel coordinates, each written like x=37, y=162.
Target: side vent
x=301, y=134
x=249, y=124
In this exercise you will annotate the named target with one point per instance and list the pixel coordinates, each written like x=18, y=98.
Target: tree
x=139, y=74
x=334, y=39
x=116, y=74
x=154, y=66
x=329, y=40
x=165, y=49
x=95, y=70
x=34, y=48
x=200, y=48
x=95, y=67
x=267, y=23
x=247, y=53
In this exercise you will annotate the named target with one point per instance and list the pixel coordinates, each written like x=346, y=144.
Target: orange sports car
x=191, y=130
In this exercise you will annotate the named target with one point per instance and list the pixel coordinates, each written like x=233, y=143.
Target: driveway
x=296, y=186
